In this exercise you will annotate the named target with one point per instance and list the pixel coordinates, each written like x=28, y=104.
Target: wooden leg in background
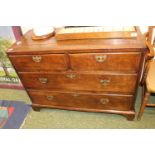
x=143, y=105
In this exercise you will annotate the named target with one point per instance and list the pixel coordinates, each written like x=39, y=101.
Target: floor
x=63, y=119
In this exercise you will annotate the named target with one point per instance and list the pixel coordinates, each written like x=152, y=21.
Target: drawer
x=47, y=62
x=106, y=61
x=80, y=81
x=82, y=100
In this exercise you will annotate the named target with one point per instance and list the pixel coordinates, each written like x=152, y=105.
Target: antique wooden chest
x=97, y=75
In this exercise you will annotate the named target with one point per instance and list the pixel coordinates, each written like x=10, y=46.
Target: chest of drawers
x=98, y=75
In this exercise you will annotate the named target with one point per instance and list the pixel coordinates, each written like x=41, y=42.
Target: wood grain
x=113, y=61
x=81, y=81
x=82, y=100
x=29, y=46
x=47, y=62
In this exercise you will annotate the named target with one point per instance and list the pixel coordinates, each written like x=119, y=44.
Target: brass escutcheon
x=43, y=80
x=105, y=82
x=37, y=58
x=71, y=76
x=104, y=100
x=50, y=97
x=101, y=58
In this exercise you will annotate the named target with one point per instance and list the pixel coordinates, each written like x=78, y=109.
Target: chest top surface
x=51, y=45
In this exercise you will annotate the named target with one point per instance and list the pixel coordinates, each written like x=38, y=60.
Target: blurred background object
x=8, y=76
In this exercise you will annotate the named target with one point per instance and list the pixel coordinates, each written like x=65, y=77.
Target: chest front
x=87, y=78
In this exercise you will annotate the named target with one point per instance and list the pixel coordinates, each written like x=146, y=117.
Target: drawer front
x=82, y=81
x=106, y=61
x=48, y=62
x=78, y=100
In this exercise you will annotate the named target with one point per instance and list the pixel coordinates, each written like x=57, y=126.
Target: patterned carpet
x=12, y=114
x=53, y=118
x=5, y=114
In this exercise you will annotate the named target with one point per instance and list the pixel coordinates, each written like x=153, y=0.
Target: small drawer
x=47, y=62
x=81, y=100
x=106, y=61
x=80, y=81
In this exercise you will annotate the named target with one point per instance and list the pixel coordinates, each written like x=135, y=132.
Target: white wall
x=144, y=29
x=26, y=28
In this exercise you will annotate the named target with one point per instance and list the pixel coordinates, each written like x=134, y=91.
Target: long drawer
x=46, y=62
x=106, y=61
x=91, y=81
x=81, y=100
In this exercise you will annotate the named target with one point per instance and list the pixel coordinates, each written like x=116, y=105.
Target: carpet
x=12, y=114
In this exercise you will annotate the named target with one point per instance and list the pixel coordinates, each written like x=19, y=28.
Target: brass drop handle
x=43, y=80
x=104, y=100
x=105, y=82
x=101, y=58
x=37, y=58
x=71, y=76
x=50, y=98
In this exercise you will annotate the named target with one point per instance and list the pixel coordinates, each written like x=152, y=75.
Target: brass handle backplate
x=50, y=97
x=43, y=80
x=104, y=100
x=105, y=82
x=37, y=58
x=101, y=58
x=71, y=76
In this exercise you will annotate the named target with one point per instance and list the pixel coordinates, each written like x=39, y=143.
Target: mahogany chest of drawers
x=97, y=75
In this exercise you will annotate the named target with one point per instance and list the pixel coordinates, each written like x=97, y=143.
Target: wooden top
x=51, y=45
